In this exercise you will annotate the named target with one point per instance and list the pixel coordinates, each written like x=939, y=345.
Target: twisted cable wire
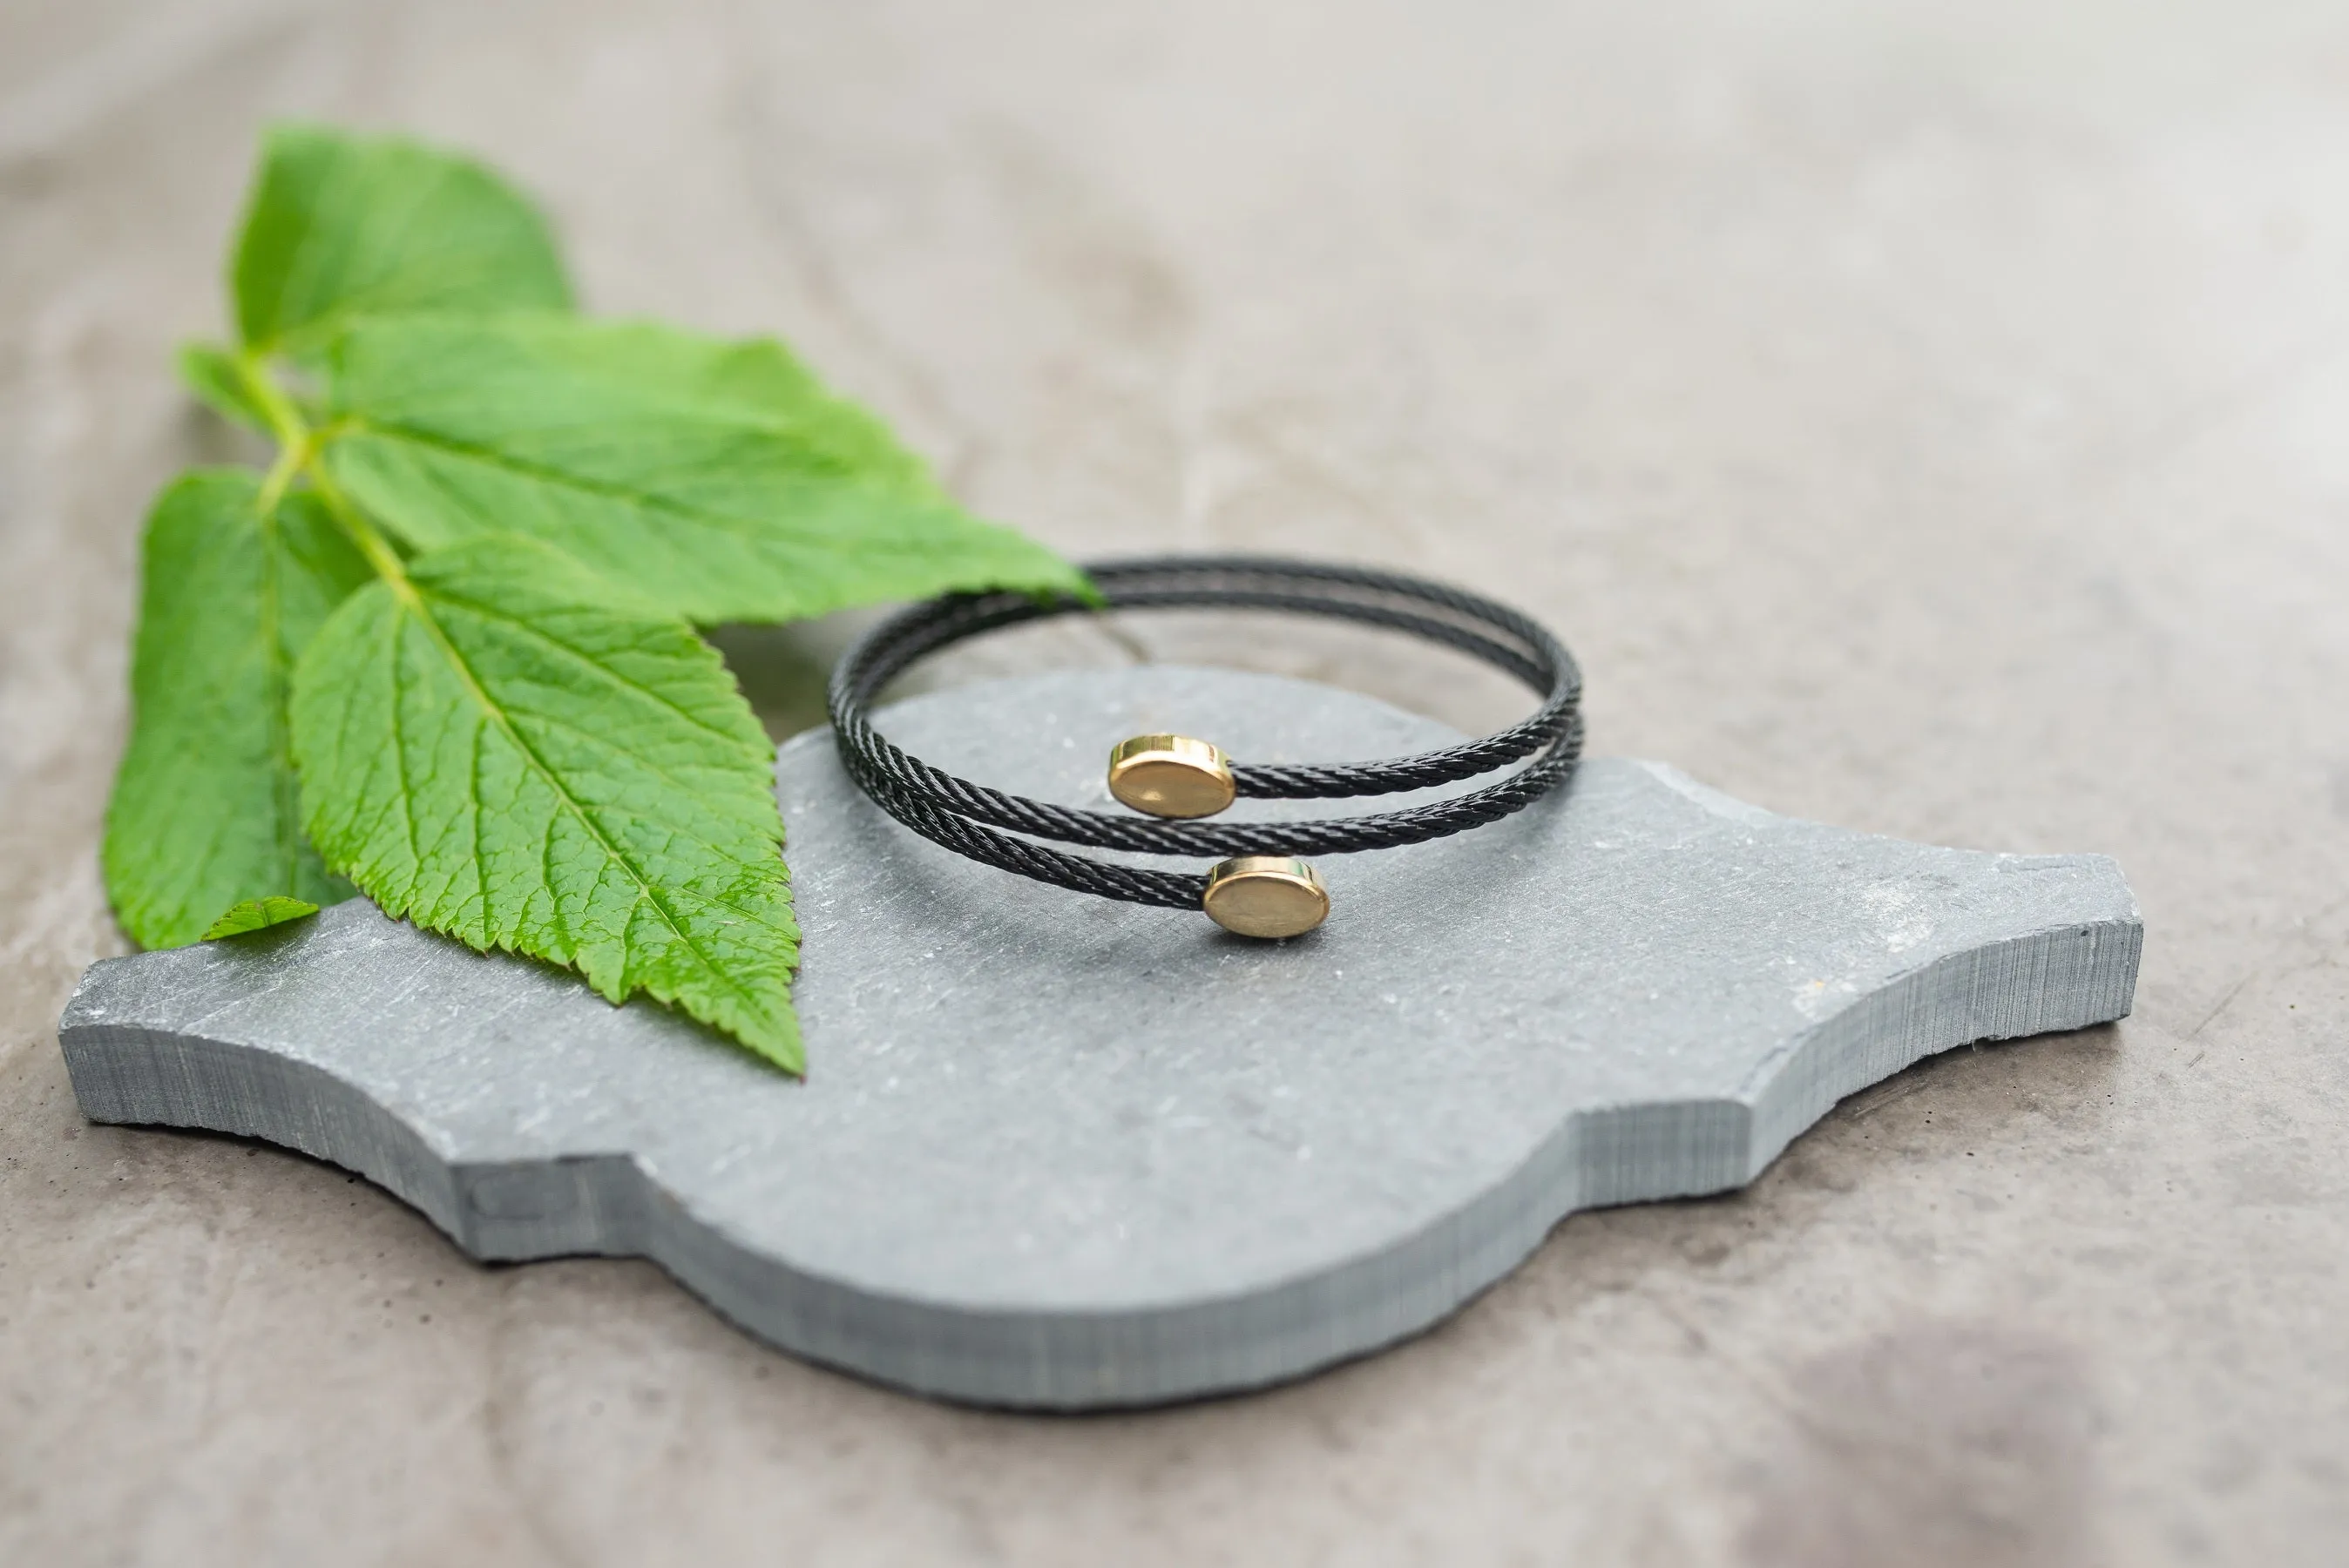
x=964, y=817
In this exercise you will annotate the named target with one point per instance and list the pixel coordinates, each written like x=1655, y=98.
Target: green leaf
x=210, y=372
x=204, y=808
x=343, y=225
x=718, y=479
x=494, y=750
x=258, y=915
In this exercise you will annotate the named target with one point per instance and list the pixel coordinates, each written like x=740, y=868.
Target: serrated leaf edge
x=788, y=1052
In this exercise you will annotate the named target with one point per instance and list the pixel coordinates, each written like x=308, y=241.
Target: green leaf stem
x=448, y=638
x=214, y=375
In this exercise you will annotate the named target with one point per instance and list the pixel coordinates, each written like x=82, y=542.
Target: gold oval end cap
x=1267, y=896
x=1171, y=776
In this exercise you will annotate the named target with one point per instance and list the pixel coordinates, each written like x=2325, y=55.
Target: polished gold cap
x=1266, y=895
x=1171, y=776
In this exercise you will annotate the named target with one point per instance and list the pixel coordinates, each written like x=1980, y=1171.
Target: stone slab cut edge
x=1055, y=1152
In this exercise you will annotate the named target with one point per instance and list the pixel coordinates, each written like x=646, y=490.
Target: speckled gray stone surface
x=1059, y=1151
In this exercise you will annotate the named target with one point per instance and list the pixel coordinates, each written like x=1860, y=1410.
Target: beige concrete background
x=1927, y=418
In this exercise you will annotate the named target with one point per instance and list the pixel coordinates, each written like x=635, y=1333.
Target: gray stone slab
x=1056, y=1152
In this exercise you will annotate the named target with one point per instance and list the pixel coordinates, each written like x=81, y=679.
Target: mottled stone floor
x=1932, y=419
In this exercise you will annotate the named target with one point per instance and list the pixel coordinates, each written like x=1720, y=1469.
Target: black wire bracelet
x=1263, y=887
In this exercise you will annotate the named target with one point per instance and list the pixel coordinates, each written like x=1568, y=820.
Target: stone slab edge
x=605, y=1205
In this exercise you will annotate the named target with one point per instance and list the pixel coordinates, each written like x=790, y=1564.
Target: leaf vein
x=611, y=673
x=648, y=890
x=746, y=529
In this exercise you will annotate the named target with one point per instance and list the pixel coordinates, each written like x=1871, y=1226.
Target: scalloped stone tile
x=1056, y=1152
